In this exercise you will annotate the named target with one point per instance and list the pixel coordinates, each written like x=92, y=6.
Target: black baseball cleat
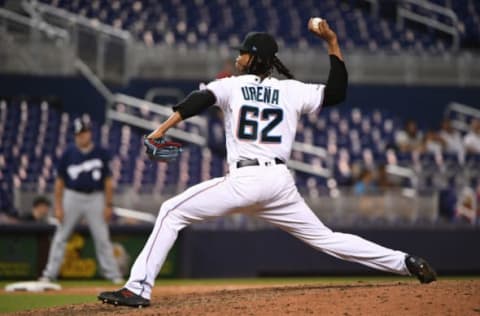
x=420, y=268
x=123, y=297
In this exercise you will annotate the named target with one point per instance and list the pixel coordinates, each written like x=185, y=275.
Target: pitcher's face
x=241, y=63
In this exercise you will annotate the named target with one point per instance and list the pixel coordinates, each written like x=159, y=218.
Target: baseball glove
x=161, y=150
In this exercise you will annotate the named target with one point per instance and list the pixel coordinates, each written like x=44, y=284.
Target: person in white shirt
x=433, y=143
x=452, y=138
x=410, y=138
x=472, y=139
x=466, y=208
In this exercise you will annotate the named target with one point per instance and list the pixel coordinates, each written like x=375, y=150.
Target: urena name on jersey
x=261, y=94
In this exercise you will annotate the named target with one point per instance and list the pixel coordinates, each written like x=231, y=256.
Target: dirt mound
x=368, y=298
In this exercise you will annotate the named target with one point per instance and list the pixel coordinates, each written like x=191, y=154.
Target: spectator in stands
x=383, y=181
x=410, y=138
x=343, y=169
x=466, y=209
x=40, y=209
x=366, y=183
x=433, y=143
x=451, y=137
x=472, y=139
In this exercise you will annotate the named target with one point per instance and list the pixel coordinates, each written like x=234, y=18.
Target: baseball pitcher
x=261, y=114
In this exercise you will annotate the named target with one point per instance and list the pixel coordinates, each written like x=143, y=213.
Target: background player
x=261, y=115
x=83, y=188
x=40, y=208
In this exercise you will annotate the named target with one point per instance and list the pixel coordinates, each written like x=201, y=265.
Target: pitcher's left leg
x=301, y=222
x=208, y=199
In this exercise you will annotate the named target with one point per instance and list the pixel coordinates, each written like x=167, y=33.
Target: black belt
x=255, y=162
x=86, y=191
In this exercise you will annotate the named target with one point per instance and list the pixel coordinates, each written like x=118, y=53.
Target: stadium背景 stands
x=201, y=22
x=33, y=134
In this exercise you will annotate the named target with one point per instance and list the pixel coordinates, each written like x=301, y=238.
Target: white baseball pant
x=267, y=191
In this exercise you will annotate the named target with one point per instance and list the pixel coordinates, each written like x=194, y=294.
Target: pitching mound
x=368, y=298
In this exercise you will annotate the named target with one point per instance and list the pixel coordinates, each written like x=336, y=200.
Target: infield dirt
x=455, y=297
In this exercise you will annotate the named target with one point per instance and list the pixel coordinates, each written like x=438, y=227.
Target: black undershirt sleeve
x=336, y=87
x=195, y=103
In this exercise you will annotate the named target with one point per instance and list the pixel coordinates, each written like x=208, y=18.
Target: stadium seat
x=176, y=22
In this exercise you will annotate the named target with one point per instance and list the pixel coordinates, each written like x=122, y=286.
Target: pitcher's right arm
x=336, y=86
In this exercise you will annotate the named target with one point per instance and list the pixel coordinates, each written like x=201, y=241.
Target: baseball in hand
x=316, y=22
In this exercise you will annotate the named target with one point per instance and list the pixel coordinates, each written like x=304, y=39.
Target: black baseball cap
x=259, y=43
x=81, y=125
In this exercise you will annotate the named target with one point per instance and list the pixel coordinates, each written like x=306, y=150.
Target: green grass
x=20, y=302
x=10, y=302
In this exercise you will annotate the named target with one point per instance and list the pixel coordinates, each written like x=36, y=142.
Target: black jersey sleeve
x=195, y=103
x=336, y=87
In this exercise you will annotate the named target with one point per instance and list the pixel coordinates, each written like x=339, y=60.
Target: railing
x=463, y=111
x=390, y=206
x=405, y=13
x=102, y=47
x=127, y=118
x=406, y=173
x=45, y=9
x=49, y=30
x=115, y=56
x=23, y=45
x=312, y=65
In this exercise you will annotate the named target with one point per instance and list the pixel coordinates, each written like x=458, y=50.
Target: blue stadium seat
x=191, y=22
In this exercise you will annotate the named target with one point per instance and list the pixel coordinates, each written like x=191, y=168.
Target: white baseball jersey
x=261, y=115
x=260, y=123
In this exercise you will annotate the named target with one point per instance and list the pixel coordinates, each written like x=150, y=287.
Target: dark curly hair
x=264, y=66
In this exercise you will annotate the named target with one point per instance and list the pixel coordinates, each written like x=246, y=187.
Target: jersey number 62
x=248, y=124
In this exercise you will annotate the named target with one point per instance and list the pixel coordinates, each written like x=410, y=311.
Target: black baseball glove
x=161, y=150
